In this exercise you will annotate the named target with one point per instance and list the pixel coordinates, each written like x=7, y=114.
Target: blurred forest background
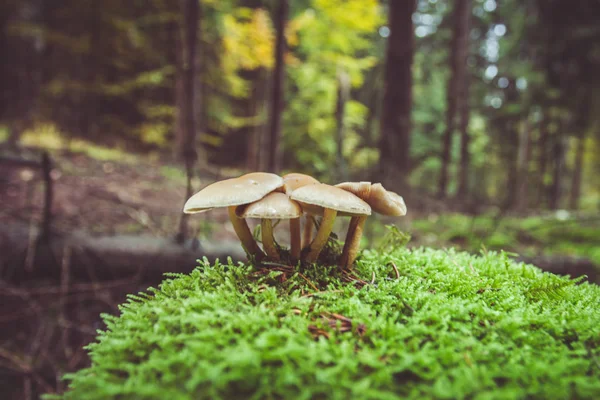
x=483, y=114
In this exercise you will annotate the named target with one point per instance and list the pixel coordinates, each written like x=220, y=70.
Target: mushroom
x=320, y=198
x=275, y=205
x=292, y=182
x=381, y=201
x=234, y=192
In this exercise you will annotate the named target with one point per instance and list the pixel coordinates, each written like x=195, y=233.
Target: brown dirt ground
x=106, y=197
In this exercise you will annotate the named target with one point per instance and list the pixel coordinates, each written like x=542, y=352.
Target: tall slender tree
x=464, y=107
x=277, y=100
x=455, y=94
x=575, y=192
x=343, y=94
x=190, y=10
x=558, y=160
x=394, y=144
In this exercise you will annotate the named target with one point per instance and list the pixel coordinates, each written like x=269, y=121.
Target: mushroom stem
x=322, y=235
x=352, y=244
x=266, y=227
x=295, y=238
x=240, y=226
x=307, y=232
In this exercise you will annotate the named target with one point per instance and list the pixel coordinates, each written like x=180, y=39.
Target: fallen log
x=145, y=258
x=89, y=258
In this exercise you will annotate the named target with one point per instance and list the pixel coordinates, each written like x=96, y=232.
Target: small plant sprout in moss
x=291, y=182
x=381, y=201
x=234, y=192
x=327, y=200
x=277, y=206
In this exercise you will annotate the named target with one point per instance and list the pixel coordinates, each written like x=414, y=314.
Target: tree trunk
x=456, y=87
x=523, y=157
x=343, y=95
x=187, y=126
x=542, y=145
x=577, y=173
x=464, y=109
x=511, y=160
x=394, y=144
x=465, y=156
x=275, y=149
x=558, y=155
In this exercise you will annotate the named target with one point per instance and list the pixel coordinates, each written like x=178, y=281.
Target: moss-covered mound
x=420, y=324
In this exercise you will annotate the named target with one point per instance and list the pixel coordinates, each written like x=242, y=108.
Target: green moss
x=445, y=325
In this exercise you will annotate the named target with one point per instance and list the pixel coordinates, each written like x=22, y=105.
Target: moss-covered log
x=416, y=324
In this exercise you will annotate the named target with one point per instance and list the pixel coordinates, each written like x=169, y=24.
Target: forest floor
x=107, y=192
x=125, y=195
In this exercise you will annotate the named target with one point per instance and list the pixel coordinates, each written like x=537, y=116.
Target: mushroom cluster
x=270, y=197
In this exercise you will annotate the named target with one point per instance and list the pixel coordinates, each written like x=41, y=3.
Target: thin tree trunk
x=465, y=139
x=343, y=93
x=394, y=144
x=558, y=156
x=523, y=157
x=511, y=160
x=187, y=135
x=275, y=148
x=456, y=85
x=577, y=173
x=465, y=109
x=542, y=145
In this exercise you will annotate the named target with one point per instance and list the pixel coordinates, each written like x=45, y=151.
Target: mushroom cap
x=275, y=205
x=314, y=198
x=386, y=202
x=362, y=189
x=381, y=200
x=295, y=180
x=233, y=192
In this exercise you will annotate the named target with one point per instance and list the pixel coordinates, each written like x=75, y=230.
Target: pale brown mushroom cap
x=296, y=180
x=233, y=192
x=275, y=205
x=381, y=200
x=313, y=198
x=362, y=189
x=385, y=202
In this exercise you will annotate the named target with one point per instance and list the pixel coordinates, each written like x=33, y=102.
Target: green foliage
x=330, y=37
x=576, y=235
x=443, y=325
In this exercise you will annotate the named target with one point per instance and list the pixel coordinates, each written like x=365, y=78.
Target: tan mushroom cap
x=381, y=200
x=233, y=192
x=296, y=180
x=387, y=203
x=314, y=198
x=275, y=205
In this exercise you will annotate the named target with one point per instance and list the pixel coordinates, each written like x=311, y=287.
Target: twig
x=276, y=264
x=31, y=247
x=48, y=194
x=15, y=360
x=308, y=281
x=373, y=278
x=319, y=293
x=396, y=270
x=64, y=289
